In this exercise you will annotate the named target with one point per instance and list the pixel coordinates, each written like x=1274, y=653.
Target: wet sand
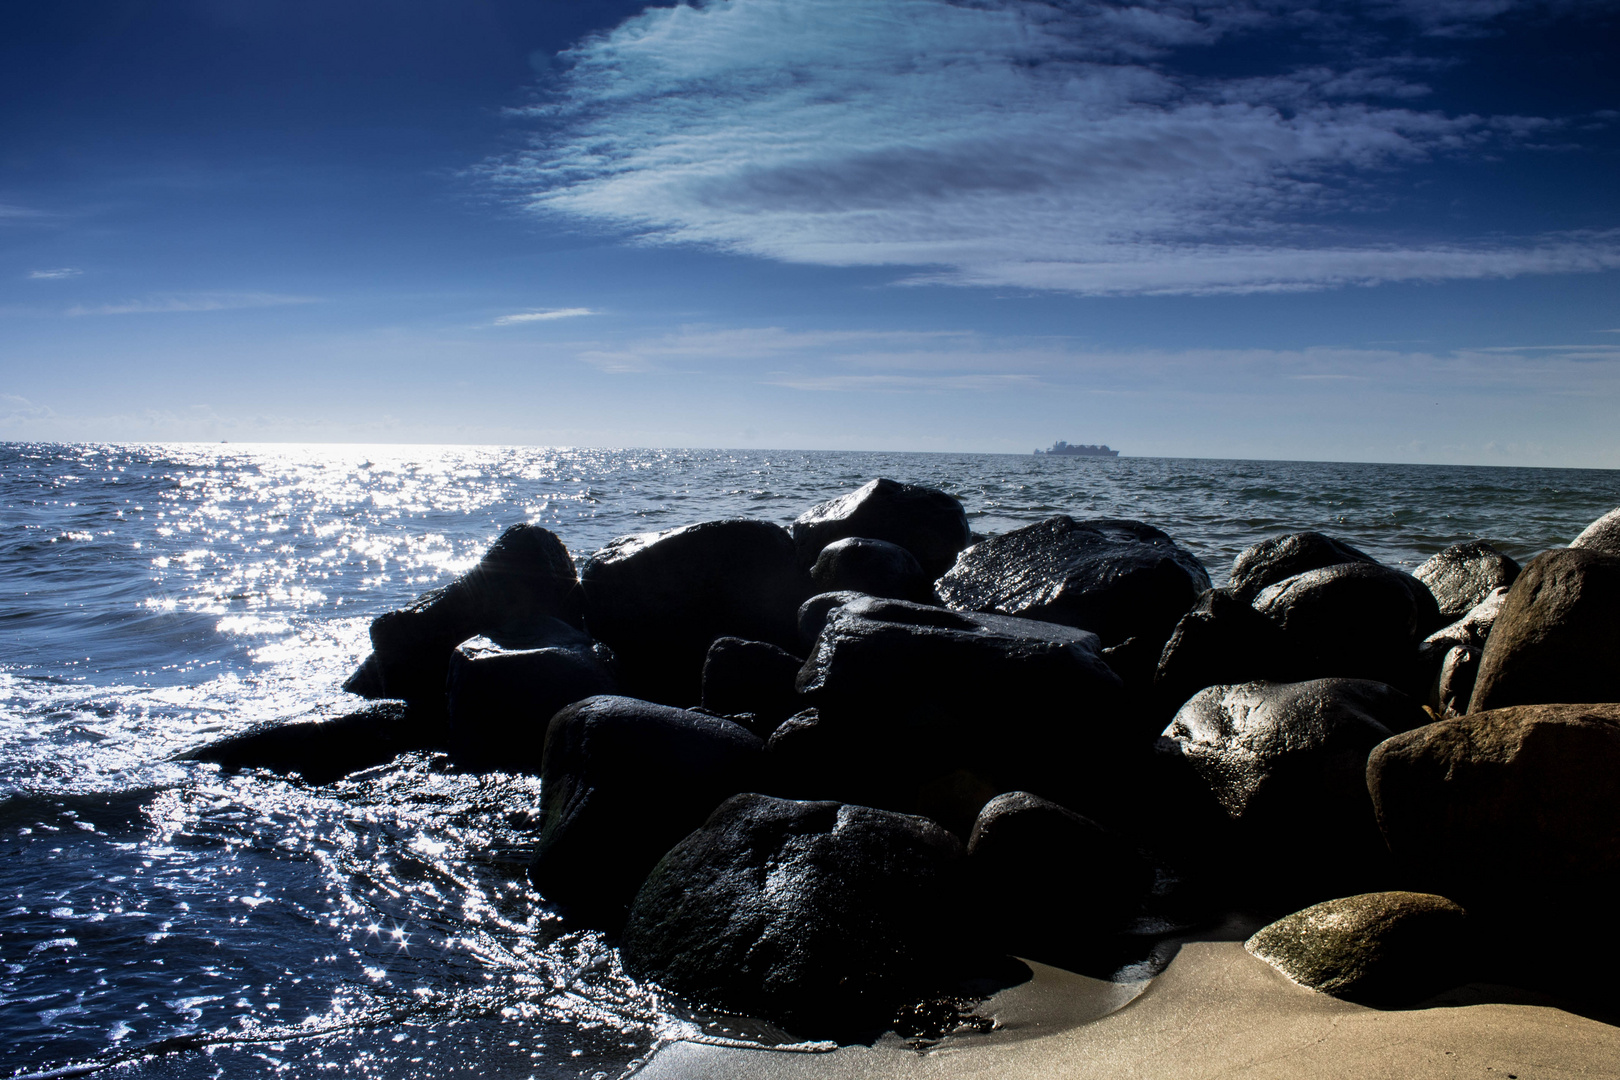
x=1214, y=1012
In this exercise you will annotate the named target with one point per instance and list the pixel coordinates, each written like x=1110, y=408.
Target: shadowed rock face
x=874, y=567
x=622, y=780
x=823, y=916
x=1221, y=640
x=1386, y=949
x=926, y=522
x=1119, y=579
x=1511, y=810
x=751, y=677
x=1354, y=620
x=1602, y=535
x=1280, y=557
x=1463, y=575
x=1557, y=637
x=323, y=750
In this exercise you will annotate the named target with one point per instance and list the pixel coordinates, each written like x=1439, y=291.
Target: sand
x=1214, y=1012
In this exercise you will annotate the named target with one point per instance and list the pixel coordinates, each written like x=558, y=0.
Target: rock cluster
x=817, y=773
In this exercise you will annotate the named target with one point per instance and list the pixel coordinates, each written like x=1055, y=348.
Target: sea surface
x=177, y=922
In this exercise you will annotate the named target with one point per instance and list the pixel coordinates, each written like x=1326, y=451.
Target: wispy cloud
x=10, y=211
x=195, y=302
x=1020, y=143
x=544, y=316
x=51, y=275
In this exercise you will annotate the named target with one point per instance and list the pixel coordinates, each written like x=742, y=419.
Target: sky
x=1322, y=230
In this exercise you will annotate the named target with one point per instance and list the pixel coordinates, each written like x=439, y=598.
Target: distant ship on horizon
x=1067, y=450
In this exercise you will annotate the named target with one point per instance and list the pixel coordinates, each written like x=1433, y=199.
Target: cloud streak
x=164, y=305
x=1018, y=143
x=543, y=316
x=53, y=275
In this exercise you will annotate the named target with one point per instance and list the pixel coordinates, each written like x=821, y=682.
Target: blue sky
x=1386, y=230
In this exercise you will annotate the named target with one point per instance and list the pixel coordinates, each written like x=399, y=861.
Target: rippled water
x=164, y=917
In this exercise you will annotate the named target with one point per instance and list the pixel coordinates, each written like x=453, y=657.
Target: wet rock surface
x=1281, y=557
x=1463, y=575
x=322, y=751
x=1354, y=620
x=753, y=677
x=929, y=523
x=1223, y=639
x=1388, y=949
x=875, y=567
x=1602, y=535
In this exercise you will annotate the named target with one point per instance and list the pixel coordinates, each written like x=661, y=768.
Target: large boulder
x=525, y=579
x=1049, y=883
x=1356, y=620
x=875, y=567
x=1223, y=639
x=752, y=677
x=928, y=523
x=1389, y=949
x=1281, y=557
x=908, y=693
x=1557, y=638
x=660, y=599
x=1276, y=774
x=1463, y=575
x=1602, y=535
x=1512, y=810
x=621, y=781
x=1119, y=579
x=324, y=750
x=822, y=916
x=814, y=611
x=500, y=701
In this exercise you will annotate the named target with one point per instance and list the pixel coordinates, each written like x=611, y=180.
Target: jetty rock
x=1602, y=535
x=621, y=780
x=814, y=611
x=1453, y=653
x=1463, y=575
x=1120, y=579
x=1280, y=557
x=325, y=750
x=659, y=600
x=754, y=678
x=929, y=523
x=874, y=567
x=1557, y=636
x=524, y=578
x=822, y=916
x=1222, y=640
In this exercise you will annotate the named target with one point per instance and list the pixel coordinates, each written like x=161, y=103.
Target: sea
x=161, y=919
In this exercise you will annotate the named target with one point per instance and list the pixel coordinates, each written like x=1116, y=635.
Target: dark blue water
x=180, y=923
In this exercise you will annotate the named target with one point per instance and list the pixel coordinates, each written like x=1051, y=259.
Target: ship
x=1069, y=450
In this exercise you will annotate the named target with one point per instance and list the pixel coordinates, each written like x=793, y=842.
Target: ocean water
x=170, y=921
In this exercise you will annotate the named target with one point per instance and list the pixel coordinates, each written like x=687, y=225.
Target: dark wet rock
x=1223, y=639
x=928, y=523
x=1281, y=768
x=500, y=701
x=1047, y=881
x=1557, y=638
x=874, y=567
x=1514, y=809
x=1386, y=949
x=526, y=577
x=660, y=599
x=1472, y=629
x=814, y=611
x=822, y=916
x=751, y=677
x=1355, y=620
x=1454, y=683
x=1463, y=575
x=912, y=693
x=1453, y=652
x=621, y=781
x=1278, y=558
x=1118, y=579
x=323, y=750
x=1602, y=535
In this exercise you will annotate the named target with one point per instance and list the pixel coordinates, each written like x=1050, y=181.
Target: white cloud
x=51, y=275
x=196, y=302
x=543, y=316
x=1012, y=143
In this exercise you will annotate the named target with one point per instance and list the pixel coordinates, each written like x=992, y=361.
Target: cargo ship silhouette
x=1068, y=450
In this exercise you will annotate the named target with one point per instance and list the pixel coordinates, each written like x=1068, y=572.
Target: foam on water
x=155, y=597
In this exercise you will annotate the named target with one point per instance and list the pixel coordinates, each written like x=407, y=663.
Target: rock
x=1118, y=579
x=1221, y=640
x=1283, y=768
x=1048, y=882
x=874, y=567
x=1463, y=575
x=1558, y=634
x=1281, y=557
x=751, y=677
x=1513, y=810
x=659, y=600
x=525, y=577
x=822, y=916
x=323, y=750
x=1453, y=652
x=814, y=611
x=1454, y=684
x=500, y=701
x=1356, y=620
x=1388, y=949
x=908, y=693
x=621, y=781
x=928, y=523
x=1602, y=535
